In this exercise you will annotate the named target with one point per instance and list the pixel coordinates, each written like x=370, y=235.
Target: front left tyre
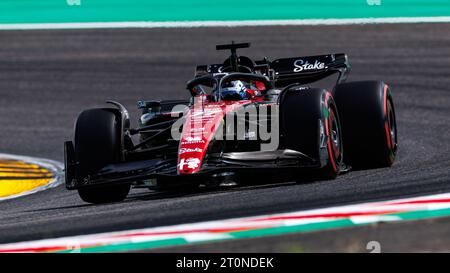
x=97, y=144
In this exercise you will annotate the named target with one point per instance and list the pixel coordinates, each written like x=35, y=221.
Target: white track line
x=54, y=166
x=264, y=221
x=244, y=23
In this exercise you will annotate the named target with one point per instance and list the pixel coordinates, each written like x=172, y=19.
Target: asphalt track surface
x=48, y=77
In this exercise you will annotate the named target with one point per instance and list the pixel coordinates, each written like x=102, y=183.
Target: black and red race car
x=245, y=121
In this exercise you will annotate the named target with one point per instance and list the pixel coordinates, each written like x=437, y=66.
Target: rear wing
x=283, y=72
x=308, y=69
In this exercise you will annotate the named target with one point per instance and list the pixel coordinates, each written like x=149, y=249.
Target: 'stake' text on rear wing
x=309, y=69
x=285, y=71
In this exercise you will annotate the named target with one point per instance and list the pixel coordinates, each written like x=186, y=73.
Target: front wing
x=163, y=172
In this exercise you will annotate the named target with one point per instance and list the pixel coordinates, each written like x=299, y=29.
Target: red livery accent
x=202, y=122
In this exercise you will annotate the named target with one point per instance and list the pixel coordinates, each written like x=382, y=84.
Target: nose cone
x=191, y=152
x=198, y=131
x=202, y=122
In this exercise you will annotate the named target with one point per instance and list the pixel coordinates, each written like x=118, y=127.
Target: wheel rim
x=335, y=135
x=392, y=127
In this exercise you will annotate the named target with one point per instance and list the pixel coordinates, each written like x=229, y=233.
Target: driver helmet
x=234, y=90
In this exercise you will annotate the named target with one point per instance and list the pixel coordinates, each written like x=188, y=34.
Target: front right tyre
x=310, y=124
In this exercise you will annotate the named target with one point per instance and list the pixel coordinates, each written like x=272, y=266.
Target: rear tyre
x=97, y=144
x=310, y=124
x=368, y=123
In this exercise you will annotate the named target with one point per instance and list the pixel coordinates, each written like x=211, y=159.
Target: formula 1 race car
x=245, y=121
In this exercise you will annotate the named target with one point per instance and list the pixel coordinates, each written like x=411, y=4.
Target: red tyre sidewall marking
x=330, y=152
x=386, y=122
